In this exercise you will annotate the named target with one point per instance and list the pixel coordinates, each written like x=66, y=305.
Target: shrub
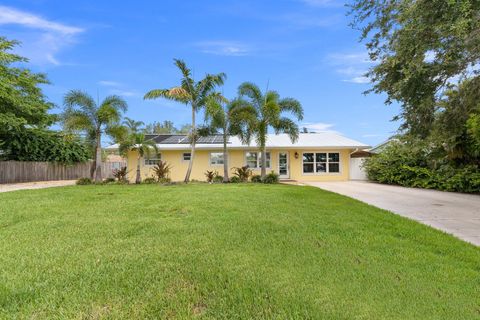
x=120, y=174
x=161, y=170
x=271, y=177
x=218, y=179
x=165, y=180
x=256, y=178
x=84, y=181
x=235, y=179
x=243, y=173
x=403, y=165
x=150, y=180
x=109, y=180
x=210, y=175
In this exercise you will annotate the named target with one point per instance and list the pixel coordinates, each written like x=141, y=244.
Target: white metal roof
x=321, y=140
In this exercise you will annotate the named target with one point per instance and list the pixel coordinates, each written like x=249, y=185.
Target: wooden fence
x=25, y=171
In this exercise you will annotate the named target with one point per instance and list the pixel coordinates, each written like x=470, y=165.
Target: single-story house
x=321, y=156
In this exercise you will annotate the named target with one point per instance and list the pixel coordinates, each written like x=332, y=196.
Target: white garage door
x=356, y=170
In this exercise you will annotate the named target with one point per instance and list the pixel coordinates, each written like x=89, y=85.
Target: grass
x=225, y=252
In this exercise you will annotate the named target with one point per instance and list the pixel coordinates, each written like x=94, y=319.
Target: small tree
x=83, y=114
x=230, y=117
x=137, y=142
x=266, y=110
x=191, y=93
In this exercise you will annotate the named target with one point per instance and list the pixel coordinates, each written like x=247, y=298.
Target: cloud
x=319, y=127
x=353, y=66
x=108, y=83
x=46, y=38
x=124, y=93
x=223, y=48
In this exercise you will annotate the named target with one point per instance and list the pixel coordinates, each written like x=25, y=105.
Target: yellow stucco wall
x=237, y=159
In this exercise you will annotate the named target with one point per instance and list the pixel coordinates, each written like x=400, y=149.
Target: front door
x=283, y=167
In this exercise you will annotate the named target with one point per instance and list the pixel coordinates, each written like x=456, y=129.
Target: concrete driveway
x=35, y=185
x=455, y=213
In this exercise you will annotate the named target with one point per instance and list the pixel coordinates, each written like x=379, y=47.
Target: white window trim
x=157, y=157
x=314, y=173
x=259, y=153
x=210, y=159
x=183, y=158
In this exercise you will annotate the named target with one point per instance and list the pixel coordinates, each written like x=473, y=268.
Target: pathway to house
x=35, y=185
x=455, y=213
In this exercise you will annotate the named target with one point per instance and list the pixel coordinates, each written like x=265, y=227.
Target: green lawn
x=225, y=251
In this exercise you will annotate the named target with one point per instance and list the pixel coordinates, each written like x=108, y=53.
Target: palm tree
x=137, y=142
x=132, y=125
x=267, y=111
x=81, y=113
x=191, y=93
x=230, y=117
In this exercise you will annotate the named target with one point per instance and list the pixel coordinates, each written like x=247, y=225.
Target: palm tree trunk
x=192, y=143
x=98, y=158
x=264, y=161
x=225, y=156
x=138, y=179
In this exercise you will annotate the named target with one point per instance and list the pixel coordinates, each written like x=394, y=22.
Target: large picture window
x=152, y=159
x=321, y=162
x=216, y=158
x=254, y=160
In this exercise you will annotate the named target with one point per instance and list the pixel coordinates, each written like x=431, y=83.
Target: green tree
x=22, y=103
x=418, y=47
x=82, y=114
x=164, y=127
x=132, y=125
x=136, y=142
x=190, y=92
x=267, y=110
x=230, y=117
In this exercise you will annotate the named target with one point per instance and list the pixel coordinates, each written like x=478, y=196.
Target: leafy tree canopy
x=420, y=47
x=22, y=102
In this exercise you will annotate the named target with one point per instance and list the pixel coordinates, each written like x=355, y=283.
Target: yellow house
x=321, y=156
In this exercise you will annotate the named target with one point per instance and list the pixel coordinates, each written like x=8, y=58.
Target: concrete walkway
x=35, y=185
x=455, y=213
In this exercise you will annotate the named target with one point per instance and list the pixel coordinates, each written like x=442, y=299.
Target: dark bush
x=256, y=178
x=84, y=181
x=150, y=180
x=235, y=179
x=403, y=165
x=109, y=180
x=218, y=179
x=210, y=175
x=161, y=170
x=270, y=178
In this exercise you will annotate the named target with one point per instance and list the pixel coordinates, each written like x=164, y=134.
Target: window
x=187, y=156
x=321, y=162
x=216, y=158
x=254, y=159
x=151, y=160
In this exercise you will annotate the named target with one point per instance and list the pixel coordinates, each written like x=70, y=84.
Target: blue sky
x=303, y=48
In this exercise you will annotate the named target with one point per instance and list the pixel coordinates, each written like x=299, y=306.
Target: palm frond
x=288, y=126
x=178, y=94
x=293, y=106
x=76, y=99
x=252, y=91
x=115, y=102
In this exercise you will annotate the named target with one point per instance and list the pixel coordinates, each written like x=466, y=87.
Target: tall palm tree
x=81, y=113
x=230, y=117
x=268, y=111
x=191, y=93
x=136, y=142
